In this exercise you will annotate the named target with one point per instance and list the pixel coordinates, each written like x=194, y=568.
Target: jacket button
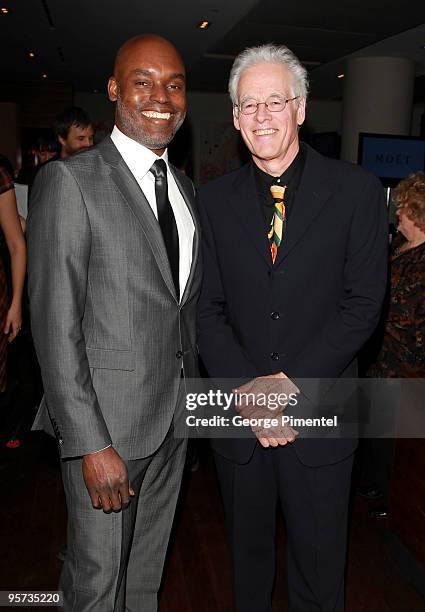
x=275, y=316
x=179, y=354
x=60, y=441
x=275, y=356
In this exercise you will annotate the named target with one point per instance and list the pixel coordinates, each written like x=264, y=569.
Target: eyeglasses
x=275, y=104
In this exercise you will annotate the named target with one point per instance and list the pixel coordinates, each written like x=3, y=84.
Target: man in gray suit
x=114, y=278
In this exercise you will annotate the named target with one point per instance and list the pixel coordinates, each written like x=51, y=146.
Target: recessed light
x=31, y=54
x=44, y=76
x=204, y=24
x=341, y=76
x=4, y=10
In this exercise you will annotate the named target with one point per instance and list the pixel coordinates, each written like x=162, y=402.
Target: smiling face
x=272, y=138
x=149, y=88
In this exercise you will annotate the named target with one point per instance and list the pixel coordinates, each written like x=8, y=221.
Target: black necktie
x=167, y=221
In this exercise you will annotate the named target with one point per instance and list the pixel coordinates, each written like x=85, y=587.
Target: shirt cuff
x=100, y=449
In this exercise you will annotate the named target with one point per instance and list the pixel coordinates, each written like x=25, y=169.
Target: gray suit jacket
x=109, y=333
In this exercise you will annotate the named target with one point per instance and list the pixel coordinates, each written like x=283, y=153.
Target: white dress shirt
x=139, y=159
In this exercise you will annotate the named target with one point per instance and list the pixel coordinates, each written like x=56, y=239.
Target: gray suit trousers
x=114, y=561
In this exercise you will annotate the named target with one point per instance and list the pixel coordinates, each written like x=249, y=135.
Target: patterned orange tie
x=276, y=226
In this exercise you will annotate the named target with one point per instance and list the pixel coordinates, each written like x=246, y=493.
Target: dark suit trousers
x=114, y=561
x=314, y=501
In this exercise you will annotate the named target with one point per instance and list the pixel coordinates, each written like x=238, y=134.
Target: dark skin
x=148, y=80
x=106, y=478
x=148, y=85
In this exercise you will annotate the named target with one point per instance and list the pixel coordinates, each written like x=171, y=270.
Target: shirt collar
x=137, y=157
x=292, y=172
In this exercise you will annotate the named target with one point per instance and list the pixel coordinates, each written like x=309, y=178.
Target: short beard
x=129, y=123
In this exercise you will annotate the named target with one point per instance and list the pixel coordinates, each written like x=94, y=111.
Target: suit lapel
x=137, y=202
x=312, y=194
x=246, y=206
x=189, y=198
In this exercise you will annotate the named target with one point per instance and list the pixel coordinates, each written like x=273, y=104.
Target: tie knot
x=277, y=191
x=159, y=169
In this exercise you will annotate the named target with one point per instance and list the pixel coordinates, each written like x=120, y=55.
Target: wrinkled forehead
x=264, y=79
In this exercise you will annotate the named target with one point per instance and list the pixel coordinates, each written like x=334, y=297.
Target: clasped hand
x=254, y=403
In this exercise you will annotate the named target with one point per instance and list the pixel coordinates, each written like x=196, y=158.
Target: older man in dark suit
x=114, y=278
x=294, y=255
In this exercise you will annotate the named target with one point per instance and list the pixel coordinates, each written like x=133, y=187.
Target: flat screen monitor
x=391, y=158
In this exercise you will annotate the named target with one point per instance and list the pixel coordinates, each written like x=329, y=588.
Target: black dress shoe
x=369, y=492
x=380, y=512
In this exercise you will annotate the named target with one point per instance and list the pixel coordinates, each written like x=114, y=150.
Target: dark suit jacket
x=309, y=313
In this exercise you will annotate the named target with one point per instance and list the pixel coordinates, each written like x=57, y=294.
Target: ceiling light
x=4, y=10
x=44, y=76
x=204, y=24
x=340, y=76
x=31, y=54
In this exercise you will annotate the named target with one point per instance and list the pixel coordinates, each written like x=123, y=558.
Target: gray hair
x=274, y=54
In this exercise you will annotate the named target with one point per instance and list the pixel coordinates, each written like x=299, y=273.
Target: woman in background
x=10, y=310
x=402, y=352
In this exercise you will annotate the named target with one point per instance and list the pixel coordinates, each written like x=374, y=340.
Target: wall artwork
x=221, y=151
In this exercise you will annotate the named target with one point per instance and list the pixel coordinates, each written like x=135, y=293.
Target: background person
x=402, y=352
x=74, y=131
x=10, y=310
x=46, y=149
